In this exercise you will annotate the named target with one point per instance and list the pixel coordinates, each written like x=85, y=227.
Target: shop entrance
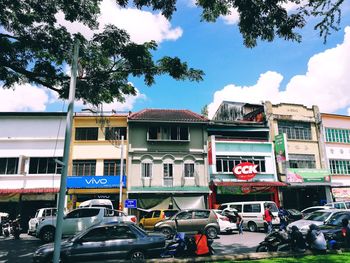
x=301, y=198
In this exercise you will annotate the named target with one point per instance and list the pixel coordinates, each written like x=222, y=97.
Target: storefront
x=242, y=171
x=82, y=188
x=307, y=187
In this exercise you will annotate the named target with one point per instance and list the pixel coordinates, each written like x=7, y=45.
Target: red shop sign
x=245, y=171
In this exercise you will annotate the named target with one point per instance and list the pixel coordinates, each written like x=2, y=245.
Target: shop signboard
x=281, y=148
x=81, y=182
x=307, y=175
x=341, y=194
x=130, y=203
x=245, y=171
x=243, y=190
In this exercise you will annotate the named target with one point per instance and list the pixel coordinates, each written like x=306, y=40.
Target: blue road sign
x=130, y=203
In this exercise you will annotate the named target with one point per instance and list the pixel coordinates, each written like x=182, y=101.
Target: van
x=252, y=213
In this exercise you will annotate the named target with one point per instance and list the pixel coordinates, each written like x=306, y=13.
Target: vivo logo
x=96, y=181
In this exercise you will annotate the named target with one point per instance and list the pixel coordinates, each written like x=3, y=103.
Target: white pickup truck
x=78, y=220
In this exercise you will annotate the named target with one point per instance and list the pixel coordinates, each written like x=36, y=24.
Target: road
x=20, y=251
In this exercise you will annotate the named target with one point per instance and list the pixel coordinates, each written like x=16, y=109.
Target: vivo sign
x=245, y=171
x=94, y=181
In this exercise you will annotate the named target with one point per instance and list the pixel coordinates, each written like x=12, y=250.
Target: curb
x=245, y=256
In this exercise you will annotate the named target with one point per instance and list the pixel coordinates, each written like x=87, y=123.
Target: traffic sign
x=130, y=203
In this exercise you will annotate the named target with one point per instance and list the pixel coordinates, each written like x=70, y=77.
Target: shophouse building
x=167, y=159
x=29, y=176
x=94, y=168
x=304, y=169
x=241, y=158
x=337, y=145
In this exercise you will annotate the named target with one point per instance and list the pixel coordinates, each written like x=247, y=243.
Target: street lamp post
x=121, y=173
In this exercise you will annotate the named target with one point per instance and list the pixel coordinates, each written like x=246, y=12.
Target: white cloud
x=141, y=25
x=232, y=18
x=23, y=98
x=325, y=83
x=125, y=106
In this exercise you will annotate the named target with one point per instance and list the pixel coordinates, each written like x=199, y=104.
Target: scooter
x=275, y=241
x=15, y=229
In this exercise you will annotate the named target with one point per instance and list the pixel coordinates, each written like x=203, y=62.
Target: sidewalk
x=245, y=256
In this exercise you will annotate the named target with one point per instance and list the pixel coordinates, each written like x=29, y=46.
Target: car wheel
x=166, y=231
x=47, y=234
x=137, y=256
x=252, y=227
x=211, y=232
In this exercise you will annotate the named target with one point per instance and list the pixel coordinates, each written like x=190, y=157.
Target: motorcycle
x=15, y=229
x=275, y=241
x=6, y=229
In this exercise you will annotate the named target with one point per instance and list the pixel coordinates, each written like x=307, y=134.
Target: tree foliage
x=35, y=49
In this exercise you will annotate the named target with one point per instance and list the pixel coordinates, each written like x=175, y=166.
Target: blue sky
x=307, y=73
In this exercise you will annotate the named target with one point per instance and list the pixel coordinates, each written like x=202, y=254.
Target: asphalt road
x=20, y=251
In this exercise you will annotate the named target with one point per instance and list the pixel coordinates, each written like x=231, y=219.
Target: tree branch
x=8, y=36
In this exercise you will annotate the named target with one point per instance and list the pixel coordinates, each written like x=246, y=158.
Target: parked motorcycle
x=6, y=229
x=15, y=229
x=275, y=241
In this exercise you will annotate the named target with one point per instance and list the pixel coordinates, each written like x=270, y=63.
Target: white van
x=252, y=213
x=97, y=203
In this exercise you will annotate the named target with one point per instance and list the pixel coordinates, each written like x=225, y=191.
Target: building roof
x=163, y=115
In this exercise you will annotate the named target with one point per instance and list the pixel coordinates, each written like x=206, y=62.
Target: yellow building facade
x=95, y=158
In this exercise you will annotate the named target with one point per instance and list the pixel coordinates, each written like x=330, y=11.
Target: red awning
x=29, y=191
x=257, y=184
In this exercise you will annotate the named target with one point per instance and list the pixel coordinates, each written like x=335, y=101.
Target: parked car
x=115, y=240
x=294, y=215
x=4, y=218
x=79, y=220
x=311, y=209
x=154, y=216
x=190, y=221
x=252, y=213
x=224, y=222
x=40, y=215
x=332, y=229
x=339, y=205
x=318, y=218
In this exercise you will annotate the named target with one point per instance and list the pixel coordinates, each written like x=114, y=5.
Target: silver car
x=318, y=218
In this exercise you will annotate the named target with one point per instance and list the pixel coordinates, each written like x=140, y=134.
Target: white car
x=311, y=209
x=318, y=218
x=224, y=222
x=79, y=220
x=40, y=215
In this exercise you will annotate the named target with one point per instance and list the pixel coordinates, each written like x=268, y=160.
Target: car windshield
x=273, y=206
x=336, y=219
x=170, y=213
x=139, y=230
x=318, y=216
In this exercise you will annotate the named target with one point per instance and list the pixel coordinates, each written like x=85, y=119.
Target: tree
x=204, y=111
x=35, y=49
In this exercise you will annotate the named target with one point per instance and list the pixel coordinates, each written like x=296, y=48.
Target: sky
x=309, y=73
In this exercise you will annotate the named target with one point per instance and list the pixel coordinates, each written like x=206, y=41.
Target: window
x=237, y=207
x=340, y=166
x=337, y=135
x=201, y=214
x=89, y=212
x=112, y=167
x=168, y=170
x=252, y=208
x=44, y=165
x=295, y=130
x=189, y=169
x=156, y=213
x=84, y=167
x=86, y=134
x=225, y=164
x=120, y=232
x=146, y=170
x=115, y=133
x=98, y=234
x=184, y=216
x=302, y=161
x=8, y=165
x=168, y=133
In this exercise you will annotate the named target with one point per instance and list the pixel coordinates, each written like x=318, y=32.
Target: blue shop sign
x=95, y=181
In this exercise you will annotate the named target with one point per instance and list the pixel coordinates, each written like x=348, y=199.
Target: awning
x=257, y=184
x=29, y=190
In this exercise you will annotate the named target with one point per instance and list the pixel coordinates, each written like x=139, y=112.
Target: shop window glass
x=146, y=170
x=225, y=164
x=168, y=170
x=168, y=133
x=112, y=167
x=189, y=169
x=295, y=130
x=44, y=165
x=8, y=165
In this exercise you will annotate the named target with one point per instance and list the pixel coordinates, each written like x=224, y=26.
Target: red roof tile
x=167, y=115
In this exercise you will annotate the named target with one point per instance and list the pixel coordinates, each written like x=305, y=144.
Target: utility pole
x=68, y=135
x=121, y=173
